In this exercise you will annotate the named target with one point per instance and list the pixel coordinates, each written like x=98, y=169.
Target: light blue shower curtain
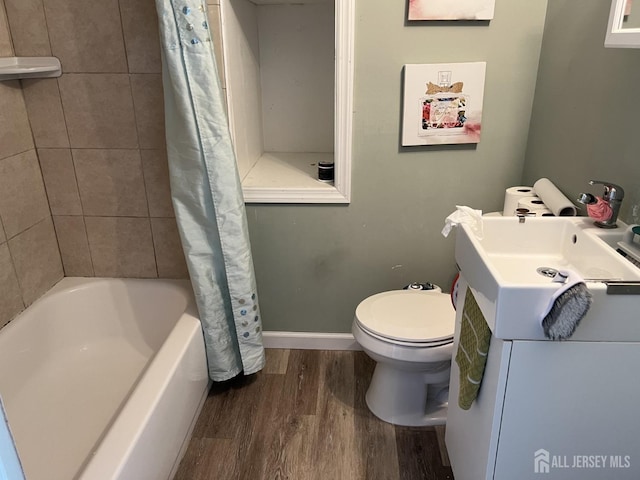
x=206, y=192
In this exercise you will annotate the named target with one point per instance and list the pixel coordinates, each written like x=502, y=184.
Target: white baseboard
x=310, y=341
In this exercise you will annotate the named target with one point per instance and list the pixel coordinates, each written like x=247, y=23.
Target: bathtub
x=103, y=379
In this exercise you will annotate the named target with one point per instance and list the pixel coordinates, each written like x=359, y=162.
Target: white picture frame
x=443, y=103
x=451, y=9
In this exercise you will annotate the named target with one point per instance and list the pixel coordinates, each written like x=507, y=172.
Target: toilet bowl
x=410, y=336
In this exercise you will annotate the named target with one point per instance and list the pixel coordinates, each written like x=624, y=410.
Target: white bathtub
x=103, y=379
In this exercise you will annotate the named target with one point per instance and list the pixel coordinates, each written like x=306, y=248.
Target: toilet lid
x=410, y=316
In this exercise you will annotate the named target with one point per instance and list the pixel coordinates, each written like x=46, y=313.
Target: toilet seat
x=409, y=318
x=426, y=344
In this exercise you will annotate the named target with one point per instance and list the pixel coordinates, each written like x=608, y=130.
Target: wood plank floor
x=304, y=417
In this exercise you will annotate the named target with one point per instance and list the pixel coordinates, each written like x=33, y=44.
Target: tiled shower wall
x=99, y=134
x=29, y=257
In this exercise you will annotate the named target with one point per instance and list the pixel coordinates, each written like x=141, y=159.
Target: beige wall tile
x=42, y=98
x=11, y=300
x=23, y=201
x=74, y=246
x=28, y=28
x=169, y=254
x=121, y=247
x=86, y=35
x=15, y=133
x=149, y=106
x=6, y=48
x=98, y=110
x=110, y=182
x=37, y=260
x=156, y=180
x=142, y=40
x=60, y=181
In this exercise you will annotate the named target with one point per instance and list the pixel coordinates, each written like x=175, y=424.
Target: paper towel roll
x=554, y=199
x=511, y=197
x=532, y=203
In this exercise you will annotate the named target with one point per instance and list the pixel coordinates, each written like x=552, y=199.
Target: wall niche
x=288, y=69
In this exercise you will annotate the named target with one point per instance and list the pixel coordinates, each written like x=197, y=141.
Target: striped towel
x=472, y=350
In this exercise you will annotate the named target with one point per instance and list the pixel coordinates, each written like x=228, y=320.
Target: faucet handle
x=611, y=190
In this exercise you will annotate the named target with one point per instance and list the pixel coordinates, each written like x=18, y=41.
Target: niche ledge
x=12, y=68
x=285, y=177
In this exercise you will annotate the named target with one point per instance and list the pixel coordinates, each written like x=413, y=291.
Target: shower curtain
x=206, y=192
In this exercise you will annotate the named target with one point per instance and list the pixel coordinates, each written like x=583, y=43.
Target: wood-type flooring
x=304, y=417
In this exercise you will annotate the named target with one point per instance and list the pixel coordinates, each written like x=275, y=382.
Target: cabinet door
x=472, y=435
x=571, y=412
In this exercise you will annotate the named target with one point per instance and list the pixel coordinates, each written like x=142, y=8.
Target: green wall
x=315, y=263
x=585, y=121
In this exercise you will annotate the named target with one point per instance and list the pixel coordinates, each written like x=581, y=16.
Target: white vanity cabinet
x=553, y=410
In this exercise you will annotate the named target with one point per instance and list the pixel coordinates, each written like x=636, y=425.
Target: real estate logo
x=541, y=461
x=544, y=462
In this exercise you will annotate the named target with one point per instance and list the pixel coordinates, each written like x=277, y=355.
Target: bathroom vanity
x=567, y=410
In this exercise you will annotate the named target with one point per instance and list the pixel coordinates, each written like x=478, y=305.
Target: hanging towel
x=472, y=351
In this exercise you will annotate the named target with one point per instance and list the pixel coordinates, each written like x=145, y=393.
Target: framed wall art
x=451, y=9
x=443, y=103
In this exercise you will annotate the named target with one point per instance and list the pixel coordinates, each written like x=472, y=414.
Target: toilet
x=409, y=333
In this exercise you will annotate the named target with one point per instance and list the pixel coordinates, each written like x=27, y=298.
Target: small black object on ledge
x=326, y=171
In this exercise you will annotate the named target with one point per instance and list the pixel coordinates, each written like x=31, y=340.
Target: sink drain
x=547, y=271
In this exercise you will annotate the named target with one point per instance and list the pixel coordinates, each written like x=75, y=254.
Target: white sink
x=502, y=270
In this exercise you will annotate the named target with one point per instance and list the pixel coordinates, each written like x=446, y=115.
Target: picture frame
x=443, y=103
x=451, y=9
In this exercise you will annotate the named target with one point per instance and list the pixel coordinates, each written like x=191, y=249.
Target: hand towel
x=473, y=349
x=567, y=307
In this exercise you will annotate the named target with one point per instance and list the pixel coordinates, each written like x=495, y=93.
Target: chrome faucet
x=613, y=195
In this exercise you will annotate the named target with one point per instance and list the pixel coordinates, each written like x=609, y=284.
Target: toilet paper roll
x=525, y=212
x=554, y=199
x=511, y=197
x=543, y=212
x=532, y=203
